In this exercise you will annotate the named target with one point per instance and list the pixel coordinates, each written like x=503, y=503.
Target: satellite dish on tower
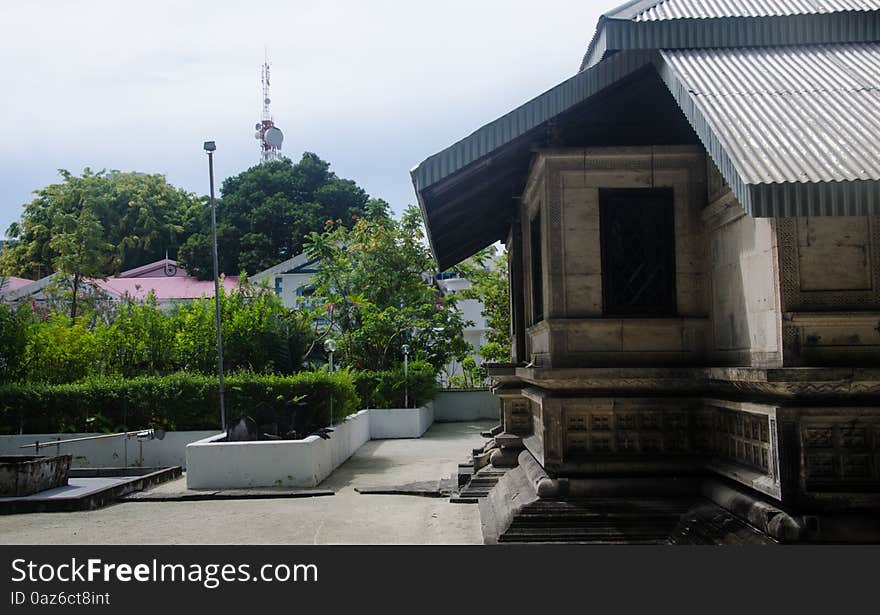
x=274, y=137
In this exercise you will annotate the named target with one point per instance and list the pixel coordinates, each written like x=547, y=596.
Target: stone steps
x=630, y=521
x=597, y=521
x=478, y=486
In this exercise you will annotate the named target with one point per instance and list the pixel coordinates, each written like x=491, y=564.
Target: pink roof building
x=175, y=288
x=11, y=283
x=168, y=282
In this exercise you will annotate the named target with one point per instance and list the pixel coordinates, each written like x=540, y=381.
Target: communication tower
x=268, y=134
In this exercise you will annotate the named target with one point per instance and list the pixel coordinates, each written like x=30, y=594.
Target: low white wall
x=465, y=405
x=109, y=452
x=274, y=463
x=400, y=422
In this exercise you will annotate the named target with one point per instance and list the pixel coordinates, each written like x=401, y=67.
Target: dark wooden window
x=638, y=252
x=536, y=268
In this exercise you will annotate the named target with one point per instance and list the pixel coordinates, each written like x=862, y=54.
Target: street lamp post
x=330, y=347
x=405, y=349
x=210, y=146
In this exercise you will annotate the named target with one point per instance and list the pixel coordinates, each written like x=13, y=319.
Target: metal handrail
x=147, y=434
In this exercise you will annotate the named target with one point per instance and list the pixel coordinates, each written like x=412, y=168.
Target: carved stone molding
x=823, y=383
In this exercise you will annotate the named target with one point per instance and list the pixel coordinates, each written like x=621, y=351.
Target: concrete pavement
x=345, y=518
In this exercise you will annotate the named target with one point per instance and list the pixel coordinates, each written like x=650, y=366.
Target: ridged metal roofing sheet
x=703, y=24
x=793, y=130
x=708, y=9
x=790, y=114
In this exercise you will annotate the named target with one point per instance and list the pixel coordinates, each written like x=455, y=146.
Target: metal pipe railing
x=141, y=434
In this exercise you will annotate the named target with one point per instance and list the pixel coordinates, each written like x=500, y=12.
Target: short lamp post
x=330, y=348
x=210, y=147
x=405, y=349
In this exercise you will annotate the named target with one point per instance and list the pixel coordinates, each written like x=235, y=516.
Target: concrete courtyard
x=345, y=518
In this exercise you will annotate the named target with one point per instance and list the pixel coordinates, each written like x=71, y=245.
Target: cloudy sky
x=372, y=86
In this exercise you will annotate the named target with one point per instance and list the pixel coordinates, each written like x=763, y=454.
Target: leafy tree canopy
x=265, y=212
x=139, y=218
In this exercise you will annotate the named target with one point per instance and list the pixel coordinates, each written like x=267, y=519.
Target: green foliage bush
x=387, y=389
x=178, y=401
x=13, y=339
x=140, y=339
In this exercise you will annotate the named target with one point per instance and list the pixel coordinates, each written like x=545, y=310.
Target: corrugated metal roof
x=732, y=23
x=708, y=9
x=777, y=119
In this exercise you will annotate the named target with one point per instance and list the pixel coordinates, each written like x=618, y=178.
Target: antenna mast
x=269, y=135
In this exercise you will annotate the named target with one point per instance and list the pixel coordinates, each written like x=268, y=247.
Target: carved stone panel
x=744, y=438
x=829, y=264
x=517, y=416
x=626, y=428
x=840, y=453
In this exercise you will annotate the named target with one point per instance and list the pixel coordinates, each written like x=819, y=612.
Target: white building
x=471, y=310
x=291, y=280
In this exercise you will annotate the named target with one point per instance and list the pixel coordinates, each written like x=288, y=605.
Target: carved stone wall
x=829, y=263
x=517, y=414
x=564, y=186
x=830, y=290
x=629, y=427
x=745, y=317
x=578, y=342
x=818, y=457
x=841, y=451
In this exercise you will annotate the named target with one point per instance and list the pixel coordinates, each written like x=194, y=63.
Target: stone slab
x=224, y=494
x=88, y=492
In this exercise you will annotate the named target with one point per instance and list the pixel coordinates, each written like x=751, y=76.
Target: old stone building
x=693, y=222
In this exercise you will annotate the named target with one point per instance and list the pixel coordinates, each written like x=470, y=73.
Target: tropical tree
x=265, y=213
x=141, y=216
x=372, y=280
x=81, y=252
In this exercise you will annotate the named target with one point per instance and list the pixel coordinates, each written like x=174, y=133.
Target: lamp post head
x=330, y=345
x=210, y=146
x=405, y=349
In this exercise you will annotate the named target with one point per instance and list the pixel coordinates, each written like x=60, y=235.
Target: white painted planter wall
x=400, y=422
x=212, y=464
x=109, y=452
x=453, y=405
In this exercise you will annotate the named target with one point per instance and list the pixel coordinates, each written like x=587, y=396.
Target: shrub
x=57, y=351
x=13, y=341
x=387, y=389
x=178, y=401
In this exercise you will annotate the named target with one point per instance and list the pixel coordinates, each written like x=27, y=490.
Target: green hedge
x=179, y=401
x=387, y=389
